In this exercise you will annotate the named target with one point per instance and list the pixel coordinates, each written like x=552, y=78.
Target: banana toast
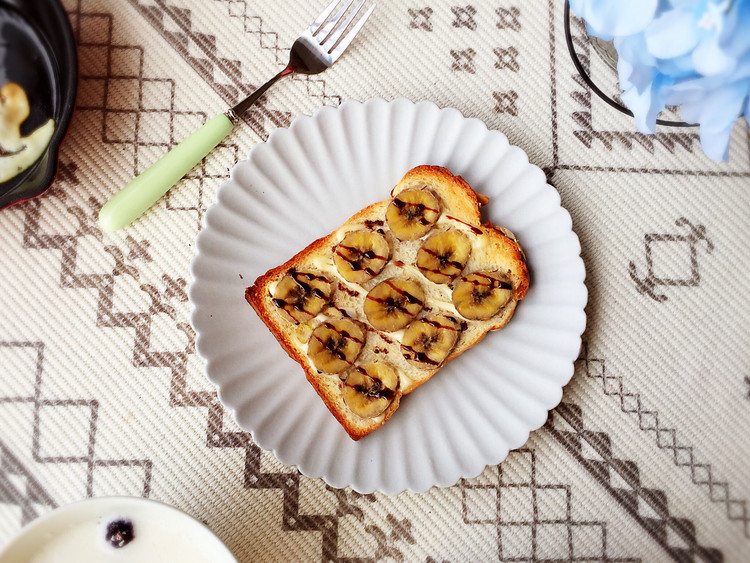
x=374, y=309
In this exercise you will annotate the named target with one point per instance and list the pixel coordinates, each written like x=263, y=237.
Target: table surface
x=102, y=391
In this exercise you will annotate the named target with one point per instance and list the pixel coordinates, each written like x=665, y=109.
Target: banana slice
x=361, y=255
x=429, y=340
x=412, y=213
x=302, y=295
x=481, y=295
x=335, y=345
x=393, y=303
x=443, y=256
x=370, y=389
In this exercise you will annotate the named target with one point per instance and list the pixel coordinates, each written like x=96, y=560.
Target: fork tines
x=330, y=31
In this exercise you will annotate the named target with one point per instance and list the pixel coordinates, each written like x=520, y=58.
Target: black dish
x=38, y=51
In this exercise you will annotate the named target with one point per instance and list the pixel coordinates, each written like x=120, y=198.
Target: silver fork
x=317, y=48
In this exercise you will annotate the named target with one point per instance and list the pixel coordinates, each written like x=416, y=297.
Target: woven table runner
x=647, y=457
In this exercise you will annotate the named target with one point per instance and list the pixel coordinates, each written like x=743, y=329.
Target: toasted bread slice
x=385, y=290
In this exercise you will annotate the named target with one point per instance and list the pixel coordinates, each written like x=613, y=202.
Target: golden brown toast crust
x=493, y=249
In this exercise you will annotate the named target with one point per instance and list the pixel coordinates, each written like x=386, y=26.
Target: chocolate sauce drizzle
x=343, y=312
x=393, y=303
x=415, y=209
x=438, y=325
x=334, y=345
x=422, y=357
x=377, y=390
x=354, y=257
x=298, y=304
x=343, y=333
x=494, y=283
x=444, y=261
x=350, y=291
x=475, y=230
x=383, y=336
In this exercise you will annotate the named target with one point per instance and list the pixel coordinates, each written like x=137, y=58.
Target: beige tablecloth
x=102, y=392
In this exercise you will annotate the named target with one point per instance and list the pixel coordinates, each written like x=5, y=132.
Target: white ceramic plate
x=77, y=532
x=304, y=183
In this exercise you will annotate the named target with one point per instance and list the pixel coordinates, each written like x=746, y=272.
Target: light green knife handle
x=131, y=201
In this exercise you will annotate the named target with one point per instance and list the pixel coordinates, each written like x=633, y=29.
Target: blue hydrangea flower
x=611, y=18
x=691, y=53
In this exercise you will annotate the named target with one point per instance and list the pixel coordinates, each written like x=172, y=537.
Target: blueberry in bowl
x=119, y=533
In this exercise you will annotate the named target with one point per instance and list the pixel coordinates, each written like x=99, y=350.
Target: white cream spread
x=18, y=153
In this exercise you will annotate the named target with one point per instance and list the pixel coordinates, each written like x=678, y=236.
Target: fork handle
x=145, y=189
x=242, y=106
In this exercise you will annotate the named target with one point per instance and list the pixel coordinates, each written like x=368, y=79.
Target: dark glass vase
x=605, y=50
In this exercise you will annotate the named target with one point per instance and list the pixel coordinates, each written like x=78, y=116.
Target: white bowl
x=77, y=532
